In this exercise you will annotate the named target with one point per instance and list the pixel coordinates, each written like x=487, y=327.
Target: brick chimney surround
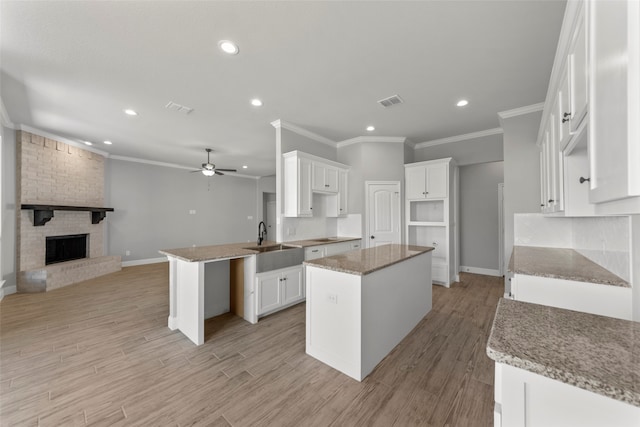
x=53, y=173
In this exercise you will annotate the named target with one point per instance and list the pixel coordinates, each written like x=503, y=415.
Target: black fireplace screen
x=66, y=248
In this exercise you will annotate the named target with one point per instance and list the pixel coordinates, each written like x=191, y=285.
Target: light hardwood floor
x=100, y=353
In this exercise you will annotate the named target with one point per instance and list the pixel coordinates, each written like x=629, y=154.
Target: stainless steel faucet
x=262, y=230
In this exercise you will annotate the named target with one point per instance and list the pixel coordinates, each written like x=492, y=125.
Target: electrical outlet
x=127, y=252
x=291, y=231
x=333, y=298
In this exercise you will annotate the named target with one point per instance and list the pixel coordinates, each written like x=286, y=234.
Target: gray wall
x=8, y=249
x=479, y=245
x=471, y=151
x=152, y=206
x=521, y=172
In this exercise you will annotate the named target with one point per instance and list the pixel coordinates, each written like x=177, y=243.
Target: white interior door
x=383, y=213
x=270, y=220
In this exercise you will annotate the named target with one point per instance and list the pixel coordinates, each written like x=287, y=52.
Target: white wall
x=152, y=205
x=8, y=236
x=477, y=150
x=521, y=173
x=479, y=228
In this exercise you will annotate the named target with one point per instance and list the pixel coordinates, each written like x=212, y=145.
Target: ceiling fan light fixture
x=208, y=172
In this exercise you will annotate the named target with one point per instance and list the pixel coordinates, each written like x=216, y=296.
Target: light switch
x=192, y=212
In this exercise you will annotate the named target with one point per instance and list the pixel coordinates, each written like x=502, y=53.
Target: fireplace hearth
x=66, y=248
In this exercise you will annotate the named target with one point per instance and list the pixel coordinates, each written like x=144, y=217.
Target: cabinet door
x=305, y=196
x=318, y=174
x=331, y=179
x=292, y=289
x=614, y=100
x=342, y=193
x=268, y=292
x=578, y=80
x=564, y=113
x=415, y=183
x=436, y=181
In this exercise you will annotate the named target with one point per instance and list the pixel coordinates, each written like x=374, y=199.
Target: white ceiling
x=71, y=67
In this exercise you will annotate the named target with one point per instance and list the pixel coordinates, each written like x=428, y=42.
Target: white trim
x=62, y=139
x=4, y=116
x=6, y=290
x=144, y=261
x=173, y=165
x=521, y=111
x=501, y=229
x=478, y=270
x=301, y=131
x=458, y=138
x=360, y=139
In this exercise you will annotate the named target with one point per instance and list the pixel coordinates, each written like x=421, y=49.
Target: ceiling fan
x=209, y=169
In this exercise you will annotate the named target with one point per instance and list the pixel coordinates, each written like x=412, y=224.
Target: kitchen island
x=362, y=303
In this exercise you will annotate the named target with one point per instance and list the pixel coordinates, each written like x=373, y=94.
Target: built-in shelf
x=43, y=213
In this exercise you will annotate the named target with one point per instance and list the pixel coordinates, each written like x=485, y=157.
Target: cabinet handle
x=315, y=250
x=435, y=243
x=550, y=200
x=326, y=185
x=583, y=180
x=542, y=205
x=566, y=117
x=340, y=208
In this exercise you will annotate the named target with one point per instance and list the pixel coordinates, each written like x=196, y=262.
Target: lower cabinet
x=594, y=298
x=278, y=289
x=525, y=399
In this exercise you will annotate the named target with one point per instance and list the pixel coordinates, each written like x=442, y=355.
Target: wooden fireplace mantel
x=43, y=213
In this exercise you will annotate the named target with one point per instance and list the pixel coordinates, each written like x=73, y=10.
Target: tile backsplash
x=604, y=240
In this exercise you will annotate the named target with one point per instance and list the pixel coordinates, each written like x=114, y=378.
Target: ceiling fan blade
x=226, y=170
x=199, y=170
x=218, y=172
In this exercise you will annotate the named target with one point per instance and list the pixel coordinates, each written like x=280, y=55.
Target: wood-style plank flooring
x=100, y=353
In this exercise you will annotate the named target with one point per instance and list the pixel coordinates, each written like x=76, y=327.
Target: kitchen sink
x=275, y=257
x=326, y=239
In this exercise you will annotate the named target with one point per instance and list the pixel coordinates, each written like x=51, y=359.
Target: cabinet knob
x=583, y=180
x=326, y=185
x=373, y=237
x=566, y=117
x=550, y=200
x=542, y=205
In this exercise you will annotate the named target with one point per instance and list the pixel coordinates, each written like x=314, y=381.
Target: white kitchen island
x=361, y=304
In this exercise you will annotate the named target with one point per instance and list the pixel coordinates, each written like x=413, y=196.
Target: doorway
x=382, y=213
x=269, y=214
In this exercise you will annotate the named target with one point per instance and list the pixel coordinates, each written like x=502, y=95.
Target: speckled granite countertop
x=319, y=241
x=560, y=263
x=365, y=261
x=596, y=353
x=210, y=253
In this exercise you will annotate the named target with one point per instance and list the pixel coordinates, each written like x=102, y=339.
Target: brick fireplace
x=54, y=173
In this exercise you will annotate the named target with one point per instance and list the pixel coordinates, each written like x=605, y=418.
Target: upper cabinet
x=314, y=186
x=590, y=133
x=427, y=181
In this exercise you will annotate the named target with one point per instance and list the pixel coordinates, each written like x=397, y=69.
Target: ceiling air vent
x=177, y=107
x=390, y=101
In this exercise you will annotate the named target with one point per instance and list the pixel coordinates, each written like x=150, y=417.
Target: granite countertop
x=365, y=261
x=596, y=353
x=319, y=241
x=561, y=263
x=210, y=253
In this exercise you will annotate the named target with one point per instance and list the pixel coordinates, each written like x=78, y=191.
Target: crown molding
x=62, y=139
x=521, y=111
x=360, y=139
x=173, y=165
x=4, y=116
x=458, y=138
x=303, y=132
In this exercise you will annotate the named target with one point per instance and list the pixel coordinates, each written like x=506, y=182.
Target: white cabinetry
x=594, y=298
x=310, y=181
x=427, y=181
x=278, y=289
x=321, y=251
x=592, y=108
x=431, y=218
x=525, y=399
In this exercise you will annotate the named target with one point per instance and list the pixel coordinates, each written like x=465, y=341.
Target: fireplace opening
x=66, y=248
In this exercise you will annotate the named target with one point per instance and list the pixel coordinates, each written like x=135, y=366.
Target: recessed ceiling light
x=88, y=143
x=130, y=112
x=462, y=103
x=108, y=142
x=244, y=166
x=256, y=102
x=228, y=47
x=370, y=128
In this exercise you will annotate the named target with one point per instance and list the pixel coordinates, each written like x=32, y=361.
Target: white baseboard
x=144, y=261
x=6, y=290
x=477, y=270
